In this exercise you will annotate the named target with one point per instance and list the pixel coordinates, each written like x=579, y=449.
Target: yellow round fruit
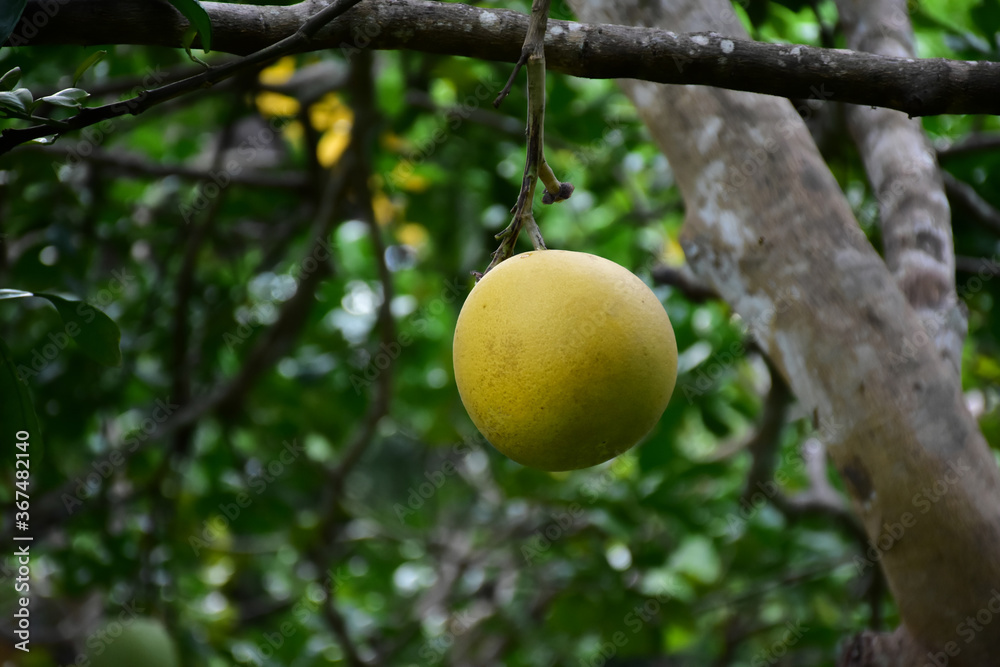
x=136, y=642
x=563, y=359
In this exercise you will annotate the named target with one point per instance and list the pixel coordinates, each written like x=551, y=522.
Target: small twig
x=90, y=116
x=513, y=75
x=535, y=167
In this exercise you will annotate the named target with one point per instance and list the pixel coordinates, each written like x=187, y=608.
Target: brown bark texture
x=768, y=228
x=917, y=87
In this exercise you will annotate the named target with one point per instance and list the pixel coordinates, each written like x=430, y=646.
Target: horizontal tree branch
x=917, y=87
x=134, y=165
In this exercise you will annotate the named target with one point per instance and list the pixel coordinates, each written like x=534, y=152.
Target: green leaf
x=10, y=14
x=17, y=412
x=91, y=60
x=96, y=333
x=10, y=79
x=70, y=97
x=13, y=294
x=13, y=104
x=196, y=14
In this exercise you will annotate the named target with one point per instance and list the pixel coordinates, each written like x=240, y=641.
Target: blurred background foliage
x=297, y=481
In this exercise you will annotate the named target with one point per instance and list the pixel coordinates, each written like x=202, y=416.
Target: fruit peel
x=563, y=359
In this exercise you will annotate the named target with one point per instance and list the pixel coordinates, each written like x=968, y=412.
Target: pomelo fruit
x=563, y=360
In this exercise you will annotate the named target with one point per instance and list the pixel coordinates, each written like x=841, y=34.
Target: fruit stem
x=535, y=166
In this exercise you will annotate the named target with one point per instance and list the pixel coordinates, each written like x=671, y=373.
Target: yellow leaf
x=404, y=177
x=412, y=234
x=395, y=143
x=279, y=72
x=332, y=145
x=275, y=104
x=328, y=112
x=673, y=253
x=384, y=209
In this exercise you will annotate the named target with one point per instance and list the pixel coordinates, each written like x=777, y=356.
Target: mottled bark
x=903, y=172
x=921, y=87
x=768, y=228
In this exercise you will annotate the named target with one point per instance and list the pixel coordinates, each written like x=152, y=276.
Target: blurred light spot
x=219, y=573
x=582, y=201
x=140, y=251
x=633, y=163
x=437, y=378
x=619, y=557
x=476, y=462
x=975, y=401
x=693, y=356
x=351, y=231
x=214, y=603
x=495, y=216
x=702, y=320
x=508, y=168
x=400, y=257
x=403, y=305
x=49, y=255
x=360, y=299
x=409, y=578
x=288, y=368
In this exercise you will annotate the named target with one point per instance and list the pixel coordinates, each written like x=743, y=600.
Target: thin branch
x=685, y=281
x=764, y=444
x=965, y=264
x=918, y=87
x=966, y=197
x=133, y=165
x=971, y=144
x=300, y=39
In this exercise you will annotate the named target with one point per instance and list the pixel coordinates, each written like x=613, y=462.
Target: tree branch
x=299, y=40
x=901, y=167
x=917, y=87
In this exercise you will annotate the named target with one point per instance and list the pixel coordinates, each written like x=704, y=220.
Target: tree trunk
x=768, y=227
